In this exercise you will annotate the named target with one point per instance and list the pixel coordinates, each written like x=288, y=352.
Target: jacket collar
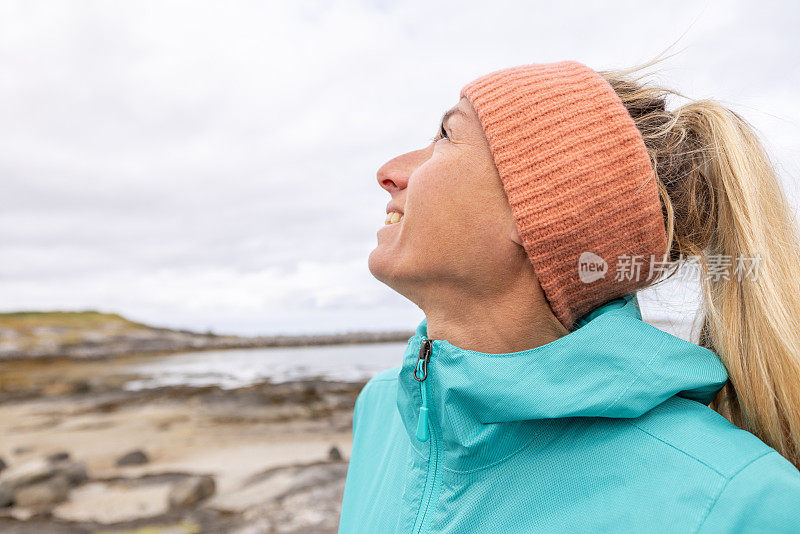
x=612, y=365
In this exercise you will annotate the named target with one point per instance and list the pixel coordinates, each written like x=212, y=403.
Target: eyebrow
x=453, y=111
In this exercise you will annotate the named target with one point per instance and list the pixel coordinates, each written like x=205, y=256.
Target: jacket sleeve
x=357, y=407
x=764, y=496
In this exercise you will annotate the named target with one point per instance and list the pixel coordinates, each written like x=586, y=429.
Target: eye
x=442, y=133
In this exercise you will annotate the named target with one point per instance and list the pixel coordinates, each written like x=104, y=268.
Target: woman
x=532, y=397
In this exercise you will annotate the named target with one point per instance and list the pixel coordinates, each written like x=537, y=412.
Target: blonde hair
x=721, y=198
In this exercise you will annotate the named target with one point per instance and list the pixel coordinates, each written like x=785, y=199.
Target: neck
x=510, y=321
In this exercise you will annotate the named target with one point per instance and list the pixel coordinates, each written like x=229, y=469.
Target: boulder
x=27, y=473
x=334, y=454
x=48, y=492
x=6, y=496
x=74, y=472
x=136, y=457
x=39, y=482
x=58, y=457
x=191, y=490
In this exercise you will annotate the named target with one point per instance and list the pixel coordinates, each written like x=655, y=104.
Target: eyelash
x=441, y=135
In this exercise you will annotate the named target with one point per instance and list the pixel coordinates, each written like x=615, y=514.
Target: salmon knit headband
x=579, y=180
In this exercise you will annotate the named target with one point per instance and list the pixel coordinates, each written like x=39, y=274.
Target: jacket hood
x=612, y=365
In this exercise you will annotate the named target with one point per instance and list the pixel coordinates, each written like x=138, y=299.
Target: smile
x=393, y=217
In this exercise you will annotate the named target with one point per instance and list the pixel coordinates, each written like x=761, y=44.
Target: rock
x=58, y=457
x=294, y=499
x=26, y=473
x=74, y=472
x=191, y=490
x=136, y=457
x=40, y=481
x=6, y=496
x=115, y=502
x=334, y=454
x=3, y=464
x=48, y=492
x=24, y=514
x=81, y=387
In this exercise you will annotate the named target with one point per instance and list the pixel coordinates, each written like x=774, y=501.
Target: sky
x=212, y=165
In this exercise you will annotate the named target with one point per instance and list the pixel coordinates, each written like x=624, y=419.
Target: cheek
x=436, y=202
x=455, y=206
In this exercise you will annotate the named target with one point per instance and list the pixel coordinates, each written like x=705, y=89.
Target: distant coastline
x=96, y=335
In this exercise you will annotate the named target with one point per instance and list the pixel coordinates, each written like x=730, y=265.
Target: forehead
x=465, y=105
x=467, y=121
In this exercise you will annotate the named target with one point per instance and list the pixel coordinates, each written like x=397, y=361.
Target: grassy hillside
x=33, y=330
x=91, y=334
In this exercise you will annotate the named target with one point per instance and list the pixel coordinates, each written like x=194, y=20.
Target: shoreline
x=103, y=336
x=109, y=351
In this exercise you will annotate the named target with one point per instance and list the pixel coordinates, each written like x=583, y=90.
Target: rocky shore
x=81, y=454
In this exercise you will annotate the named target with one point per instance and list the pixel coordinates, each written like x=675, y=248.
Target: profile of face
x=455, y=236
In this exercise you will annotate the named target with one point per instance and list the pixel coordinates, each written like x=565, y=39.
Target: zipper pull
x=420, y=374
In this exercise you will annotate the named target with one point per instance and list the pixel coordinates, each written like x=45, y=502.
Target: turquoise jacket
x=606, y=429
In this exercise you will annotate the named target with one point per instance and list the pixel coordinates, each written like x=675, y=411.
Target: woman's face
x=457, y=230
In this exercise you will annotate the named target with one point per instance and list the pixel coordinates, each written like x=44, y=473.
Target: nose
x=393, y=175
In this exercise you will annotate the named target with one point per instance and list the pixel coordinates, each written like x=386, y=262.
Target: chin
x=379, y=262
x=384, y=265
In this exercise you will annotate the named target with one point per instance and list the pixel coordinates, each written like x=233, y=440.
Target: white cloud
x=208, y=164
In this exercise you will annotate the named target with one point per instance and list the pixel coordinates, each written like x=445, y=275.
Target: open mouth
x=393, y=218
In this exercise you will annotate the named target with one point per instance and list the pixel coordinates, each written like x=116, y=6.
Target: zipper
x=420, y=374
x=424, y=432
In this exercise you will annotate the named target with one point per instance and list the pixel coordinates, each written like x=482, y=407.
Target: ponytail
x=723, y=203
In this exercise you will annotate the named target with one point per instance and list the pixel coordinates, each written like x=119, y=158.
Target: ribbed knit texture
x=577, y=175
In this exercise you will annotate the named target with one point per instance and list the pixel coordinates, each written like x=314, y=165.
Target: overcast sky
x=212, y=164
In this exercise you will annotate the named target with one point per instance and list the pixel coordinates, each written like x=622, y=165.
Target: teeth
x=393, y=217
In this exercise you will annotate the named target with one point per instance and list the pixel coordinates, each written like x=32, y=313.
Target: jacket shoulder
x=387, y=375
x=702, y=434
x=763, y=496
x=756, y=489
x=379, y=391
